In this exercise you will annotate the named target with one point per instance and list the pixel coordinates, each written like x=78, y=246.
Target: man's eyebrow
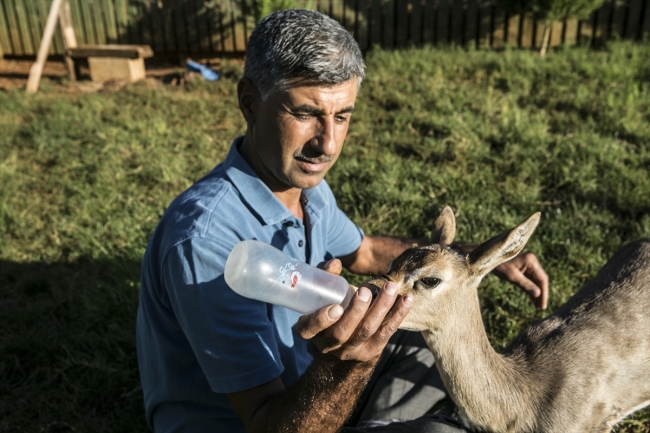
x=310, y=109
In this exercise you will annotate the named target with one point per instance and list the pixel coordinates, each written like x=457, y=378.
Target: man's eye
x=429, y=283
x=302, y=116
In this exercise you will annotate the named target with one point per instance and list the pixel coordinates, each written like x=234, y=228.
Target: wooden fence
x=212, y=27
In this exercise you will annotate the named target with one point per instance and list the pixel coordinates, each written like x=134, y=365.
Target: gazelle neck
x=491, y=389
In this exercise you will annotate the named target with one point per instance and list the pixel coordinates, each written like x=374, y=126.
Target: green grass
x=495, y=135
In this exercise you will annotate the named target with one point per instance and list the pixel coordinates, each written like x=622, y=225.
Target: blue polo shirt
x=197, y=339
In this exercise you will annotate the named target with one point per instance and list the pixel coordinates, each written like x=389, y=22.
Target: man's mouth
x=313, y=164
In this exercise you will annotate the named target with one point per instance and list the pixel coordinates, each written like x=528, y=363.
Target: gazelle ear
x=444, y=229
x=503, y=247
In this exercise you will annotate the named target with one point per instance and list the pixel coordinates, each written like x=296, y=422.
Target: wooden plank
x=249, y=17
x=634, y=18
x=602, y=23
x=388, y=24
x=122, y=21
x=108, y=11
x=556, y=34
x=77, y=22
x=33, y=23
x=527, y=31
x=69, y=38
x=214, y=26
x=36, y=70
x=135, y=26
x=499, y=23
x=192, y=22
x=65, y=25
x=428, y=22
x=179, y=26
x=29, y=46
x=88, y=22
x=645, y=25
x=337, y=11
x=240, y=32
x=227, y=26
x=14, y=30
x=619, y=12
x=415, y=22
x=112, y=50
x=98, y=19
x=471, y=24
x=350, y=15
x=570, y=32
x=512, y=36
x=442, y=22
x=5, y=39
x=485, y=24
x=457, y=22
x=363, y=19
x=376, y=15
x=42, y=8
x=146, y=21
x=402, y=22
x=323, y=6
x=587, y=30
x=169, y=35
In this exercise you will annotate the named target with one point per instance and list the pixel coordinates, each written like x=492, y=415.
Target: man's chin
x=308, y=180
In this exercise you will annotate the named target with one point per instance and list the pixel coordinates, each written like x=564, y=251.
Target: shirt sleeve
x=343, y=236
x=231, y=336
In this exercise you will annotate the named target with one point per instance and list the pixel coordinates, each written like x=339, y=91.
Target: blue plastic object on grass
x=205, y=71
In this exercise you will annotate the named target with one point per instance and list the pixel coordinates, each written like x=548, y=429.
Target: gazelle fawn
x=581, y=370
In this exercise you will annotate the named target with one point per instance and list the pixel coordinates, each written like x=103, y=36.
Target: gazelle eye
x=429, y=283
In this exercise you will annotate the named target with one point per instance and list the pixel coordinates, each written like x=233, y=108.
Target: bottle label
x=289, y=275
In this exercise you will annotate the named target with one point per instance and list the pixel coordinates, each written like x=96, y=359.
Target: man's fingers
x=536, y=273
x=309, y=325
x=333, y=266
x=376, y=315
x=355, y=313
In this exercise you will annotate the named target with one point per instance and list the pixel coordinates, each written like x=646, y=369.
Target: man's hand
x=360, y=332
x=525, y=271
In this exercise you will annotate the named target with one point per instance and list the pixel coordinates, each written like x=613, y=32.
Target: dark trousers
x=402, y=392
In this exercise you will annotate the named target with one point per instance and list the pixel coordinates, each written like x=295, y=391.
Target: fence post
x=69, y=38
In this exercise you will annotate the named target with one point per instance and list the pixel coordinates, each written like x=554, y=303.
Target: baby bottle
x=260, y=271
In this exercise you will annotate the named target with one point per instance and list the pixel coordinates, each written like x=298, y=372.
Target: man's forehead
x=318, y=94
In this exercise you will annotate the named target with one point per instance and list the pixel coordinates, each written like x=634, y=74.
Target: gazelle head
x=442, y=280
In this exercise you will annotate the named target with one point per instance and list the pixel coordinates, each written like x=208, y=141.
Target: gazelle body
x=581, y=370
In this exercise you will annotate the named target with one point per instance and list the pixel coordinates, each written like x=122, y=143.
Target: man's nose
x=325, y=139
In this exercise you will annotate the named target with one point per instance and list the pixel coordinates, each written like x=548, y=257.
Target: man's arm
x=350, y=343
x=376, y=252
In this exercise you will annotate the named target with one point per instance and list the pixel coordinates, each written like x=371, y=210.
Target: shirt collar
x=259, y=197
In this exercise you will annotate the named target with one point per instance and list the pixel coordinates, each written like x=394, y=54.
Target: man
x=211, y=360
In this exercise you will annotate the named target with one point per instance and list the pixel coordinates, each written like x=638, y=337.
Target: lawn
x=495, y=135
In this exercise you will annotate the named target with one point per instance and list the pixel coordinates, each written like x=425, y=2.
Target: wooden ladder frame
x=60, y=9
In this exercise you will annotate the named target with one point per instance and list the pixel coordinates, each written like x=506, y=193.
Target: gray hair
x=301, y=46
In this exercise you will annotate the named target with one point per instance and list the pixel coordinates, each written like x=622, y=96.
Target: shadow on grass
x=67, y=346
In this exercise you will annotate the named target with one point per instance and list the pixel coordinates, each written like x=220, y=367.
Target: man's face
x=297, y=135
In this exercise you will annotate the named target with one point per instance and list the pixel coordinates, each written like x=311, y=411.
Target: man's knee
x=425, y=424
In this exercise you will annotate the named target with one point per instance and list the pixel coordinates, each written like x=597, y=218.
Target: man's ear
x=503, y=247
x=248, y=97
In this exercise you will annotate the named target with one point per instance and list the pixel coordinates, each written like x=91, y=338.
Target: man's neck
x=289, y=197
